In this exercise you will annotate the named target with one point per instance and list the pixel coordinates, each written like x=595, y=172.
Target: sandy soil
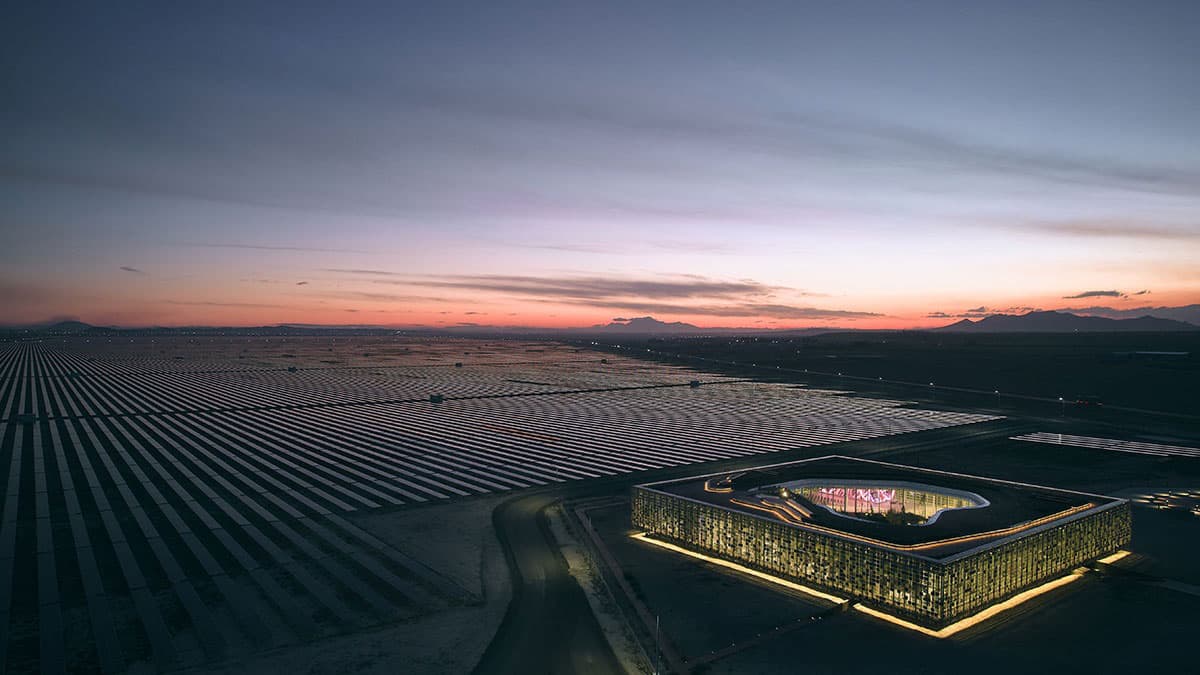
x=455, y=539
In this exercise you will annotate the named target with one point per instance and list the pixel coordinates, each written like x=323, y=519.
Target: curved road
x=549, y=626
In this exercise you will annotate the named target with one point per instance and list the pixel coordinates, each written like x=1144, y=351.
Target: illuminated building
x=929, y=547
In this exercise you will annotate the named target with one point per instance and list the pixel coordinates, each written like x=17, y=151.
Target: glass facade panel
x=895, y=504
x=926, y=591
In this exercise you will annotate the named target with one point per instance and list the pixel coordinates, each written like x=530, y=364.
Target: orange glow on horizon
x=242, y=303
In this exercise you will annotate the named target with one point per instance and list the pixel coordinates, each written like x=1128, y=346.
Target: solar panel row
x=183, y=518
x=1111, y=444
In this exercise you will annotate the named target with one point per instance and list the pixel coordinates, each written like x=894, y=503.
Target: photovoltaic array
x=181, y=502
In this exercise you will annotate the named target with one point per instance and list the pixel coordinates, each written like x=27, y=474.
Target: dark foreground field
x=300, y=505
x=209, y=502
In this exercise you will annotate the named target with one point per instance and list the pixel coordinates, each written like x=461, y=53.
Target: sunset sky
x=753, y=164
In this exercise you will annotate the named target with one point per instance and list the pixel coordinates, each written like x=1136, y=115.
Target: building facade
x=929, y=591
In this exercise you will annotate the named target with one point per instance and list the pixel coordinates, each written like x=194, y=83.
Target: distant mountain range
x=1063, y=322
x=1185, y=313
x=640, y=326
x=1033, y=322
x=648, y=324
x=66, y=327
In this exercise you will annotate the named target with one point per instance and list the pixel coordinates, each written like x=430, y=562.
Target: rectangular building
x=930, y=547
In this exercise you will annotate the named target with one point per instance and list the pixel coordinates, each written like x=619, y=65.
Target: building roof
x=1008, y=509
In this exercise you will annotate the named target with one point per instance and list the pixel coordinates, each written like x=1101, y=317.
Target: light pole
x=1063, y=402
x=997, y=398
x=657, y=649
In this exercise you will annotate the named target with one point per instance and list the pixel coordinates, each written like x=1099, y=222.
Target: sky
x=751, y=164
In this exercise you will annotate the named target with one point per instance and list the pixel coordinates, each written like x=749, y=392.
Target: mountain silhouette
x=647, y=325
x=67, y=327
x=1063, y=322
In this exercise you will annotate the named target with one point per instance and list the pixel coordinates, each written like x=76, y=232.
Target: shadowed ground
x=549, y=627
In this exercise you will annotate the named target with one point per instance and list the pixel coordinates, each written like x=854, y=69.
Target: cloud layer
x=1095, y=294
x=677, y=295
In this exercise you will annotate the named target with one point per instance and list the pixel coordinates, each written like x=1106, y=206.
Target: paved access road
x=549, y=627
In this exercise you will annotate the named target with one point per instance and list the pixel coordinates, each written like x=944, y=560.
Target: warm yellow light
x=769, y=508
x=1108, y=560
x=708, y=487
x=953, y=541
x=956, y=627
x=978, y=617
x=739, y=568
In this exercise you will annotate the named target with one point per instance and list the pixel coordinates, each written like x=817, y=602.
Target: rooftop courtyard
x=929, y=547
x=935, y=514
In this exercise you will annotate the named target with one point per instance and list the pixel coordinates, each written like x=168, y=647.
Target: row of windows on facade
x=910, y=585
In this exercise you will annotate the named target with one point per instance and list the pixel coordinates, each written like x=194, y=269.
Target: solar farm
x=1109, y=444
x=171, y=503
